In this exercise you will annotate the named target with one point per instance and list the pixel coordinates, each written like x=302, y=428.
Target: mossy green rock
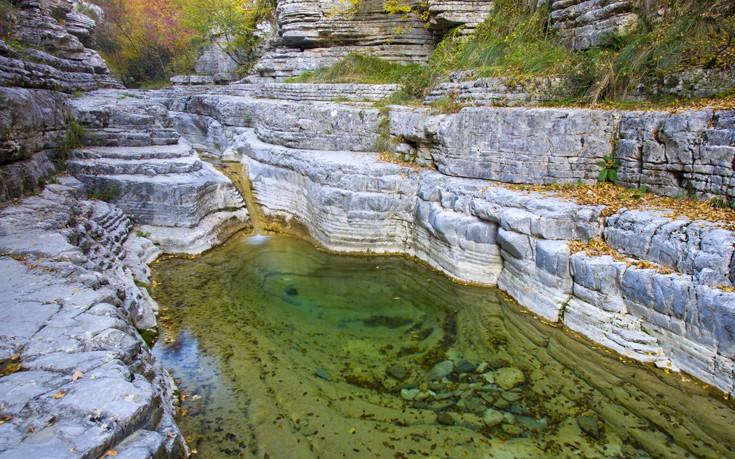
x=509, y=377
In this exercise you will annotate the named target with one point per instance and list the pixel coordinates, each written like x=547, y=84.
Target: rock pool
x=284, y=351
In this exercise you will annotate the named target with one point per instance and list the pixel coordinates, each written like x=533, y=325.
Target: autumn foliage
x=149, y=40
x=144, y=40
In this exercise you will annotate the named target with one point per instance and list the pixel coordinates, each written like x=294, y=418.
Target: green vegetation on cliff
x=516, y=41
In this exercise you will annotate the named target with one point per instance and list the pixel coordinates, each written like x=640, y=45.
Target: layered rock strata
x=674, y=154
x=298, y=92
x=514, y=145
x=497, y=92
x=583, y=23
x=32, y=124
x=48, y=57
x=135, y=159
x=78, y=379
x=49, y=50
x=457, y=221
x=448, y=14
x=313, y=34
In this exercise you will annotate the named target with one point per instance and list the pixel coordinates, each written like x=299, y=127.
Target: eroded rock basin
x=284, y=351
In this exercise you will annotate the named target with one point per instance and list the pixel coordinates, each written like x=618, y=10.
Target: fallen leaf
x=110, y=453
x=77, y=374
x=59, y=394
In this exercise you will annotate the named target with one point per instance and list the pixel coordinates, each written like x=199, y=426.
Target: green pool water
x=284, y=351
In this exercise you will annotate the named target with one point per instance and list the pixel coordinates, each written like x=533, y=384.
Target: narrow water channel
x=284, y=351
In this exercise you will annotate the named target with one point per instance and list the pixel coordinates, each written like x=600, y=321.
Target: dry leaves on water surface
x=615, y=197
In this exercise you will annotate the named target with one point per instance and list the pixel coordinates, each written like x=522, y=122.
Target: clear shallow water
x=284, y=351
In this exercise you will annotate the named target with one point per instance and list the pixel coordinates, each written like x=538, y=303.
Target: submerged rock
x=440, y=370
x=387, y=321
x=589, y=425
x=409, y=394
x=445, y=419
x=465, y=366
x=492, y=417
x=509, y=377
x=397, y=372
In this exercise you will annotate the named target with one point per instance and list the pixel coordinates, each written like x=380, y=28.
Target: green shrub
x=71, y=140
x=357, y=68
x=609, y=172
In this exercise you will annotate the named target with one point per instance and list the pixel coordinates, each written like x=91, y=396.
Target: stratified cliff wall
x=311, y=170
x=44, y=57
x=317, y=33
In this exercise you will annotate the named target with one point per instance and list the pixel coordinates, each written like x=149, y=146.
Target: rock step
x=178, y=199
x=113, y=137
x=150, y=167
x=169, y=151
x=313, y=92
x=497, y=92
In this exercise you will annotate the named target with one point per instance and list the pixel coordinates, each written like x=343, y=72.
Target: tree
x=234, y=22
x=144, y=40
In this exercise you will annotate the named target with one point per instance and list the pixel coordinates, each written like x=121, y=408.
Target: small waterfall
x=237, y=172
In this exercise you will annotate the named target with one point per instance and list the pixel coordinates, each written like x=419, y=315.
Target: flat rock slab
x=82, y=381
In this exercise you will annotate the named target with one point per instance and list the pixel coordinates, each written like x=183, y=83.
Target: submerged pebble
x=397, y=372
x=509, y=377
x=440, y=370
x=589, y=425
x=445, y=419
x=493, y=417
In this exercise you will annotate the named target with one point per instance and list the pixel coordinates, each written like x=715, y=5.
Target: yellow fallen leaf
x=60, y=394
x=77, y=374
x=111, y=453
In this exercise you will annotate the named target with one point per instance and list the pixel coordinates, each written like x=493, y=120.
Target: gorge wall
x=44, y=58
x=74, y=305
x=311, y=168
x=77, y=379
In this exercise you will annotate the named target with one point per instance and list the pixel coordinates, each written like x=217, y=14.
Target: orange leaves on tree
x=143, y=32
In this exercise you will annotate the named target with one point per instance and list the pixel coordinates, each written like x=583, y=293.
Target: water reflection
x=289, y=352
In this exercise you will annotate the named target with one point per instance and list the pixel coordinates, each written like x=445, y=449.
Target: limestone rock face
x=446, y=14
x=135, y=159
x=31, y=121
x=212, y=60
x=45, y=60
x=496, y=92
x=60, y=31
x=673, y=154
x=69, y=315
x=453, y=218
x=670, y=154
x=583, y=23
x=511, y=145
x=317, y=33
